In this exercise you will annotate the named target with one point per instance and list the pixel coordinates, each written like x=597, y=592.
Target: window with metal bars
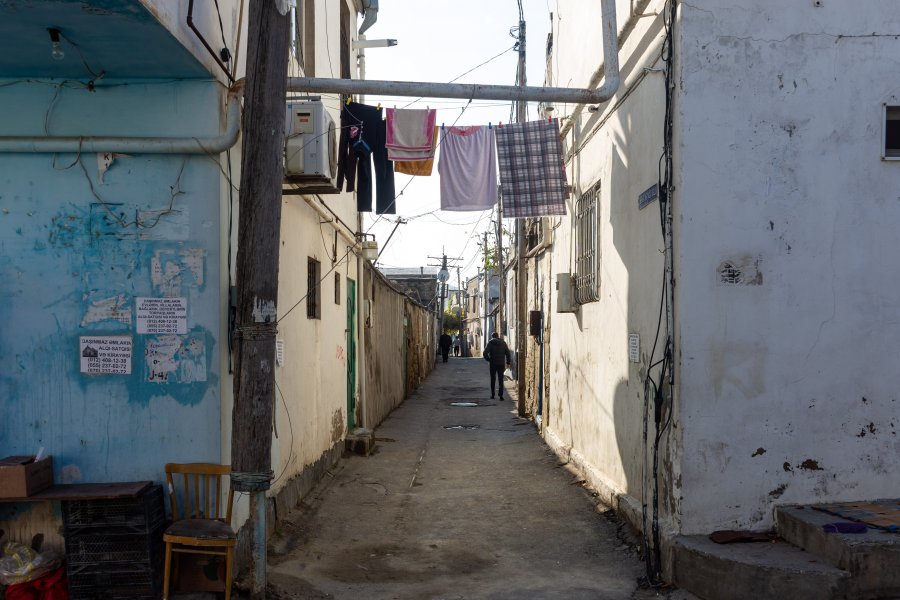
x=587, y=250
x=313, y=294
x=337, y=288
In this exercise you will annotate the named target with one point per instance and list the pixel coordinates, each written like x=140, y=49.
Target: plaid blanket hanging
x=532, y=172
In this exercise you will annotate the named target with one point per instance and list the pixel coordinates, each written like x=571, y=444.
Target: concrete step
x=360, y=441
x=872, y=558
x=754, y=571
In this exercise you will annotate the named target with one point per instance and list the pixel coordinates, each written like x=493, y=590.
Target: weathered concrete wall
x=78, y=248
x=399, y=347
x=593, y=401
x=783, y=385
x=420, y=344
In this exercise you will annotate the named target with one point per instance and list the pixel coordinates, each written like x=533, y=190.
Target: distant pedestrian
x=456, y=344
x=444, y=344
x=497, y=354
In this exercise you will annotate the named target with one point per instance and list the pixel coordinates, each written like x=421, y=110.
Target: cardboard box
x=22, y=476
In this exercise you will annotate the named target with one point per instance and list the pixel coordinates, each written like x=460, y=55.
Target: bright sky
x=438, y=42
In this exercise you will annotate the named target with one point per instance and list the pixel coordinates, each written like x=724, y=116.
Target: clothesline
x=526, y=156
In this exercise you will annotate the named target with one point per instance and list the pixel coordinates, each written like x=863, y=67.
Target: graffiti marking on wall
x=175, y=359
x=106, y=355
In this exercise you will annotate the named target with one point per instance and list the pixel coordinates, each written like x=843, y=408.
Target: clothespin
x=500, y=125
x=549, y=119
x=442, y=127
x=490, y=126
x=348, y=101
x=378, y=107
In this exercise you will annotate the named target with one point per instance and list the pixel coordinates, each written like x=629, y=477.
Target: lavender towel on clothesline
x=532, y=172
x=468, y=168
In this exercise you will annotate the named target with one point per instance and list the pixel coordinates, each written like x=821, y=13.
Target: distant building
x=419, y=283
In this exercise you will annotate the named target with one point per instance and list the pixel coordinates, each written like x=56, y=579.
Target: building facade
x=119, y=178
x=717, y=290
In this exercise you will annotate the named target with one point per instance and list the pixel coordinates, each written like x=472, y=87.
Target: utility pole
x=485, y=300
x=259, y=239
x=443, y=276
x=501, y=313
x=459, y=296
x=521, y=346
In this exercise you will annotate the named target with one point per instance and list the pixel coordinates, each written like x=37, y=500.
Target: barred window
x=337, y=288
x=313, y=294
x=587, y=251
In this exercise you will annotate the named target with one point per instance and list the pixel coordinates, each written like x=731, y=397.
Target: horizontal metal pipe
x=479, y=91
x=131, y=145
x=475, y=91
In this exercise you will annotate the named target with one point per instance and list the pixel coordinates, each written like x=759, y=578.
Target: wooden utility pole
x=259, y=238
x=521, y=310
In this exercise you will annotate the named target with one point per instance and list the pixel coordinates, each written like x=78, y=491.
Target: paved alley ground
x=456, y=502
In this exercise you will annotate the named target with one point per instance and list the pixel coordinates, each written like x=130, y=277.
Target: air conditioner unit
x=310, y=148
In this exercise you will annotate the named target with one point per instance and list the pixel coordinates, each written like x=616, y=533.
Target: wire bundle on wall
x=655, y=389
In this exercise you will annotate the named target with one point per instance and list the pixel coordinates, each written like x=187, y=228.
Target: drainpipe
x=329, y=218
x=132, y=145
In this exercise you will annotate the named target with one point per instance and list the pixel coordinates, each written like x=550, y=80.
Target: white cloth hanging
x=468, y=168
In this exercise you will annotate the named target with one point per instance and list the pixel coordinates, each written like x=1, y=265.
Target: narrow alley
x=461, y=499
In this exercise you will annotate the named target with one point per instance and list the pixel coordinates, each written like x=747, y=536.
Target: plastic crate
x=104, y=546
x=143, y=513
x=116, y=585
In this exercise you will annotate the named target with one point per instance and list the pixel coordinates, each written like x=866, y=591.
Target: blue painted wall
x=75, y=253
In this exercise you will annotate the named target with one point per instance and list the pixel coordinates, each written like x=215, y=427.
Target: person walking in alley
x=497, y=354
x=444, y=344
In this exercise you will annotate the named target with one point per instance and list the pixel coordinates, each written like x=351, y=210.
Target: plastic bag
x=19, y=563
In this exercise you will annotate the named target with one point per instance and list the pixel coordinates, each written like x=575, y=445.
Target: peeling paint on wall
x=175, y=358
x=108, y=309
x=740, y=271
x=264, y=311
x=169, y=267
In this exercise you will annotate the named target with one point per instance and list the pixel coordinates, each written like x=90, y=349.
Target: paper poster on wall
x=106, y=355
x=161, y=315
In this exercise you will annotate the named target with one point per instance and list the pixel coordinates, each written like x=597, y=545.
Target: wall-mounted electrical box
x=565, y=302
x=310, y=148
x=535, y=323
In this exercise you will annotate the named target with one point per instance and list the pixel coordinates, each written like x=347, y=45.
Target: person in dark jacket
x=497, y=354
x=444, y=344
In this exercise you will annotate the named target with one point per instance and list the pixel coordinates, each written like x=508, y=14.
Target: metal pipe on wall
x=132, y=145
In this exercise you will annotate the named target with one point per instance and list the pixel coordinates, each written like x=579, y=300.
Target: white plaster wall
x=595, y=403
x=786, y=384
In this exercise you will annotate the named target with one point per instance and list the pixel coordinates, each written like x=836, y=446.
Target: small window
x=587, y=253
x=337, y=288
x=891, y=148
x=313, y=295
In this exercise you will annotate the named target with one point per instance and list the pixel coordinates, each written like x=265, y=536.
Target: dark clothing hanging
x=363, y=135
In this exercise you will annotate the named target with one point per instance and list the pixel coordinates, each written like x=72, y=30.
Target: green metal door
x=351, y=355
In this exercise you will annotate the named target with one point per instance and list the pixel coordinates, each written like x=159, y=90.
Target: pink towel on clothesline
x=410, y=129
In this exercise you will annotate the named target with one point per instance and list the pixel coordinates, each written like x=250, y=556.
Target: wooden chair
x=204, y=527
